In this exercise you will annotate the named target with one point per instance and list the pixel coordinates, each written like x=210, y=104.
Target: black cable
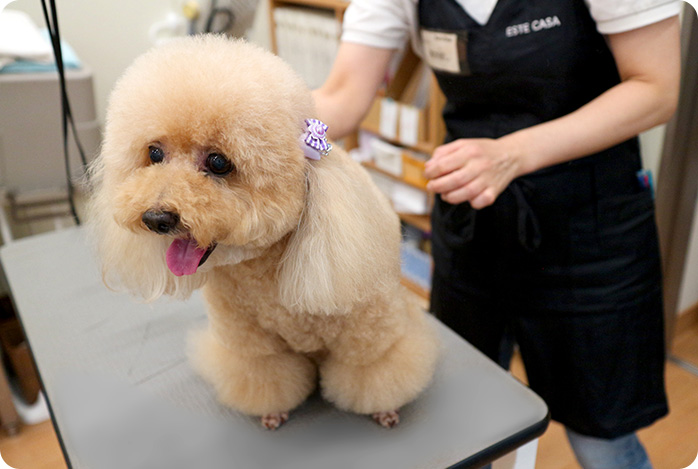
x=67, y=115
x=58, y=52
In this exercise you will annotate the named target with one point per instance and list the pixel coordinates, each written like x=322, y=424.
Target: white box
x=407, y=199
x=387, y=157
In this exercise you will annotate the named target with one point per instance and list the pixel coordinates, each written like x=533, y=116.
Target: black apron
x=575, y=240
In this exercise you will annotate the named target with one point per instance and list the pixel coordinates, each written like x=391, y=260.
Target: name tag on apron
x=446, y=51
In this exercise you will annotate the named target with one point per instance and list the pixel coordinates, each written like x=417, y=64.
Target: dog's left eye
x=156, y=154
x=218, y=164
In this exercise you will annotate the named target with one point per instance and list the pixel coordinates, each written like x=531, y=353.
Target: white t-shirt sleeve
x=617, y=16
x=379, y=23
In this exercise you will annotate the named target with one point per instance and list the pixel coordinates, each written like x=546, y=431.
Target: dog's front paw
x=274, y=421
x=387, y=419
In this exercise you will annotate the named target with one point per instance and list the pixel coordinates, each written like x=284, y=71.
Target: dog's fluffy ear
x=130, y=261
x=347, y=245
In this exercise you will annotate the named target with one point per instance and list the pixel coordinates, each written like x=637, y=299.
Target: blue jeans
x=620, y=453
x=625, y=452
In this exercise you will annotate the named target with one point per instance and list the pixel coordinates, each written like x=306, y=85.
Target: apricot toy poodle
x=214, y=174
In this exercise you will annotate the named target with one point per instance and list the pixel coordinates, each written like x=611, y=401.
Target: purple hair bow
x=314, y=140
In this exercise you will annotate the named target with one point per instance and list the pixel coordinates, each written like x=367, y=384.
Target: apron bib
x=566, y=239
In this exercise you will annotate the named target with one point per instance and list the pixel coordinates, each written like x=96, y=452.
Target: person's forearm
x=341, y=113
x=619, y=114
x=346, y=96
x=646, y=97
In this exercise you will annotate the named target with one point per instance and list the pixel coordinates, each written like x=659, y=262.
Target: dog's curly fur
x=304, y=279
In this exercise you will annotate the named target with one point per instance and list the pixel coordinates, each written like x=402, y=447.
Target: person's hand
x=471, y=170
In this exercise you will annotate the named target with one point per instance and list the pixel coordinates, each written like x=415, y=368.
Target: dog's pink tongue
x=183, y=256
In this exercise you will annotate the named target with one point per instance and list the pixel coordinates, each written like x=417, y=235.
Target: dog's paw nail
x=387, y=419
x=274, y=421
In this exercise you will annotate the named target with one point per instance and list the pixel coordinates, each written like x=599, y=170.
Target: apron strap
x=527, y=223
x=459, y=220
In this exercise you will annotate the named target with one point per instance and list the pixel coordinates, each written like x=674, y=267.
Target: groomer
x=543, y=228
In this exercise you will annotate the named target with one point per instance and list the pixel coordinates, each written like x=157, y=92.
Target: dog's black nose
x=160, y=222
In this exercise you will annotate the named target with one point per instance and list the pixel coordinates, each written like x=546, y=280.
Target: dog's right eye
x=156, y=154
x=218, y=164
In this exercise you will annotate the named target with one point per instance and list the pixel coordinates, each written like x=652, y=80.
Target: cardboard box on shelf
x=413, y=169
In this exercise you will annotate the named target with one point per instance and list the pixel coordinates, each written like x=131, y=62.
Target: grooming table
x=122, y=394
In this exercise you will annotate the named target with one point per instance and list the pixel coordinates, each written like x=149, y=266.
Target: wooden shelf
x=422, y=147
x=372, y=166
x=413, y=287
x=421, y=222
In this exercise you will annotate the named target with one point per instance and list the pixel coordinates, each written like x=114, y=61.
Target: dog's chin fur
x=229, y=256
x=306, y=260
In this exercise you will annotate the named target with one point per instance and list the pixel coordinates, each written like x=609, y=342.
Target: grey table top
x=122, y=394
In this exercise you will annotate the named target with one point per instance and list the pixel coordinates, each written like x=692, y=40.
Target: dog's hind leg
x=274, y=421
x=387, y=419
x=390, y=379
x=265, y=385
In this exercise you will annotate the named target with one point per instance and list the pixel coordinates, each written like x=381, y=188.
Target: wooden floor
x=672, y=442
